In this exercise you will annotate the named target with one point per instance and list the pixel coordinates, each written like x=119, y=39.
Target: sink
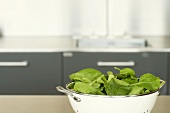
x=111, y=43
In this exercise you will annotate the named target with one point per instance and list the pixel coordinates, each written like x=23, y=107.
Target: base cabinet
x=142, y=62
x=38, y=73
x=30, y=73
x=168, y=81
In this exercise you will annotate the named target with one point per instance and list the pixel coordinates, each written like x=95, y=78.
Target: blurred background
x=85, y=17
x=77, y=19
x=47, y=37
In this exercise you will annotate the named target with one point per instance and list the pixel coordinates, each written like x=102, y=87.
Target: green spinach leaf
x=86, y=88
x=112, y=88
x=86, y=75
x=149, y=81
x=136, y=90
x=126, y=72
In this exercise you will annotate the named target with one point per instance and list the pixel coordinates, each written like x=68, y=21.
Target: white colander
x=86, y=103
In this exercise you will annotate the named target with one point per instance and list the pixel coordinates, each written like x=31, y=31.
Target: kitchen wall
x=52, y=17
x=139, y=17
x=84, y=17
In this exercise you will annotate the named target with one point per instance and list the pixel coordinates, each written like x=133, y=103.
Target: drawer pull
x=130, y=63
x=22, y=63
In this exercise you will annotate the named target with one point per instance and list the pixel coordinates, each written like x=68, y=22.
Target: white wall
x=139, y=17
x=52, y=17
x=85, y=17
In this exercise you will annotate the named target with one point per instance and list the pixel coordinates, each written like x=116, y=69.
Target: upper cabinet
x=52, y=17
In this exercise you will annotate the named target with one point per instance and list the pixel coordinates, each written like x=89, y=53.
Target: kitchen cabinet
x=30, y=73
x=141, y=62
x=168, y=81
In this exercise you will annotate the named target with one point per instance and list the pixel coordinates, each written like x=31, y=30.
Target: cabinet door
x=30, y=73
x=155, y=63
x=168, y=81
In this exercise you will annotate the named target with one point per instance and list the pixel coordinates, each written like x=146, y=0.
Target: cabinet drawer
x=30, y=73
x=155, y=63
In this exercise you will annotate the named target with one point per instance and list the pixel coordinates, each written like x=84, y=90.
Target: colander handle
x=67, y=92
x=162, y=83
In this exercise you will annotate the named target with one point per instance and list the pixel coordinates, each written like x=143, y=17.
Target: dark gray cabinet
x=168, y=81
x=30, y=73
x=141, y=62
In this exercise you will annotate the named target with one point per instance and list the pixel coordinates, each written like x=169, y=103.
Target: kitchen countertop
x=56, y=104
x=67, y=44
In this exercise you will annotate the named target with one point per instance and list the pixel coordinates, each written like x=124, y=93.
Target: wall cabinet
x=30, y=73
x=142, y=62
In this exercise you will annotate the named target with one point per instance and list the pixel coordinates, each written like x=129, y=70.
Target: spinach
x=136, y=90
x=149, y=81
x=92, y=81
x=86, y=75
x=113, y=88
x=126, y=72
x=130, y=80
x=86, y=88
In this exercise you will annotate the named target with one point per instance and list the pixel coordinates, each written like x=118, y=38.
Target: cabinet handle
x=22, y=63
x=130, y=63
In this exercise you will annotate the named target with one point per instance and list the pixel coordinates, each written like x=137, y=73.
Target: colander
x=87, y=103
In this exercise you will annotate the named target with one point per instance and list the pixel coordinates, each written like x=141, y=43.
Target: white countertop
x=57, y=104
x=67, y=44
x=117, y=50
